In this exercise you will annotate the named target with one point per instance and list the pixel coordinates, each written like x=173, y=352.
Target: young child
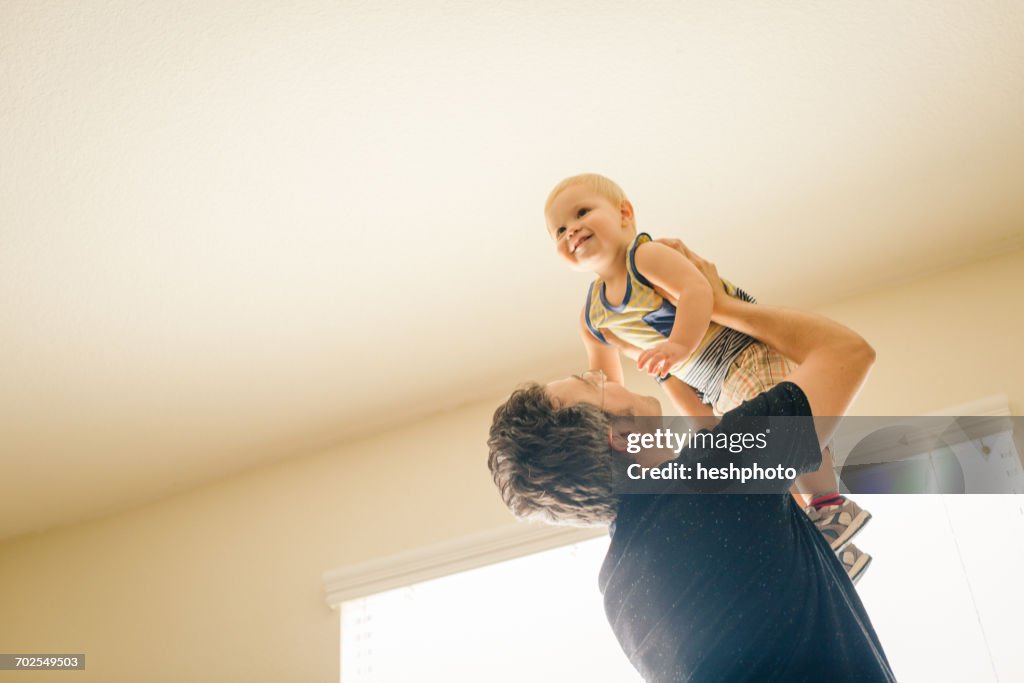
x=649, y=297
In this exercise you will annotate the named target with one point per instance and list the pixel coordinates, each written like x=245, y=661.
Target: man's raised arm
x=834, y=360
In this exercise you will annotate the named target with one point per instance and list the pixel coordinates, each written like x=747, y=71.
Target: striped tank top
x=645, y=318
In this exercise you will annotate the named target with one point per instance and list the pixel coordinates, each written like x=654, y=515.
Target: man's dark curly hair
x=551, y=462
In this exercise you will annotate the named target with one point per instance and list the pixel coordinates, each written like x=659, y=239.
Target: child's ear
x=626, y=210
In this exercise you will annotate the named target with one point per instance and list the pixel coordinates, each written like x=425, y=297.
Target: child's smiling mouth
x=576, y=244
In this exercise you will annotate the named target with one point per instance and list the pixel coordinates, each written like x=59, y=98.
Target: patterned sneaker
x=854, y=561
x=838, y=523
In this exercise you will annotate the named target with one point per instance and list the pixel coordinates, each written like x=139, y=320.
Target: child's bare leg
x=799, y=497
x=814, y=485
x=837, y=517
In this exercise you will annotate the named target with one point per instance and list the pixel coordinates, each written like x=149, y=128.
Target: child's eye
x=582, y=212
x=559, y=231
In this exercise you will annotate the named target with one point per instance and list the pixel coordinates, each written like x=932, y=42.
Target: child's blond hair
x=606, y=187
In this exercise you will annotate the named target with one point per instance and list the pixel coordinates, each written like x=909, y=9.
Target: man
x=705, y=587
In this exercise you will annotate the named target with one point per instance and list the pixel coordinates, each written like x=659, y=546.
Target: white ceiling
x=235, y=232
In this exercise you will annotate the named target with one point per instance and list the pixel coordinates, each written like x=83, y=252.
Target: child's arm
x=684, y=397
x=672, y=273
x=600, y=356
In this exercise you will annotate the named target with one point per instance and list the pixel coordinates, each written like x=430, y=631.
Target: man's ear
x=618, y=439
x=626, y=210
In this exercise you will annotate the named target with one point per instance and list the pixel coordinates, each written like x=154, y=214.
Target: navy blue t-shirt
x=738, y=587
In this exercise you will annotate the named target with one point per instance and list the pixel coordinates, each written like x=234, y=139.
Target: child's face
x=588, y=230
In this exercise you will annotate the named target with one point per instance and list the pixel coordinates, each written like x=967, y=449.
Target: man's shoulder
x=784, y=399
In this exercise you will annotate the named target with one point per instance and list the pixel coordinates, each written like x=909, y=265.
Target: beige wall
x=224, y=583
x=942, y=340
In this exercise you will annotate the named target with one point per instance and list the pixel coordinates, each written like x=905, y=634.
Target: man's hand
x=659, y=359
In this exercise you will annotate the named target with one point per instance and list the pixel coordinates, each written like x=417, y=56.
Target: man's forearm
x=793, y=333
x=833, y=360
x=686, y=401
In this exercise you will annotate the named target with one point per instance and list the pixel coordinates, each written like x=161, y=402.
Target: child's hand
x=659, y=359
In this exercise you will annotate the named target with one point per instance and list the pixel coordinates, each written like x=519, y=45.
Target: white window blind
x=535, y=618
